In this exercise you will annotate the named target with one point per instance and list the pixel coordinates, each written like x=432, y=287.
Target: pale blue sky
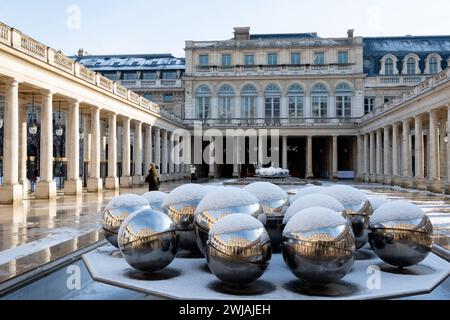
x=148, y=26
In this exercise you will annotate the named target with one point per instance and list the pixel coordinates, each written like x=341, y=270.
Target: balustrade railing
x=273, y=122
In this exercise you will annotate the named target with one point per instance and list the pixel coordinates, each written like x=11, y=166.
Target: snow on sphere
x=126, y=200
x=155, y=196
x=226, y=197
x=377, y=202
x=312, y=200
x=306, y=191
x=234, y=223
x=314, y=218
x=346, y=195
x=266, y=191
x=396, y=210
x=184, y=193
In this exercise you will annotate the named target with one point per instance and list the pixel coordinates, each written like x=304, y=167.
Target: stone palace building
x=373, y=109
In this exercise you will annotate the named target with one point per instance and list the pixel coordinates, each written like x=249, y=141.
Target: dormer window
x=389, y=67
x=411, y=66
x=433, y=65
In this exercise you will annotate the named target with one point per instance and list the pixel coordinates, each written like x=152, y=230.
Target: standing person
x=152, y=178
x=193, y=173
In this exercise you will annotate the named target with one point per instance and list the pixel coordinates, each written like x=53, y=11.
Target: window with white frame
x=319, y=100
x=433, y=65
x=272, y=97
x=343, y=57
x=248, y=102
x=295, y=58
x=249, y=59
x=226, y=59
x=226, y=102
x=203, y=60
x=411, y=66
x=319, y=57
x=344, y=95
x=369, y=104
x=272, y=59
x=389, y=67
x=203, y=102
x=296, y=96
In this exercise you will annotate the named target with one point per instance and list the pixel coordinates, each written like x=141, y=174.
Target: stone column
x=157, y=147
x=46, y=187
x=442, y=150
x=73, y=185
x=11, y=191
x=366, y=158
x=447, y=184
x=396, y=180
x=171, y=154
x=236, y=157
x=407, y=181
x=359, y=158
x=334, y=169
x=379, y=156
x=125, y=179
x=309, y=159
x=212, y=165
x=284, y=148
x=387, y=165
x=23, y=134
x=164, y=161
x=372, y=177
x=148, y=148
x=419, y=181
x=111, y=181
x=177, y=154
x=434, y=181
x=137, y=178
x=95, y=183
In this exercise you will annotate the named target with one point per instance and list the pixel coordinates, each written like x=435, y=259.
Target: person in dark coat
x=152, y=178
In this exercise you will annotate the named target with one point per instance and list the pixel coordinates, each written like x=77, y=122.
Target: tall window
x=369, y=104
x=203, y=60
x=226, y=102
x=129, y=76
x=226, y=60
x=343, y=57
x=319, y=57
x=389, y=67
x=433, y=65
x=203, y=102
x=272, y=101
x=249, y=59
x=344, y=95
x=295, y=98
x=319, y=97
x=272, y=59
x=295, y=58
x=169, y=75
x=149, y=75
x=248, y=104
x=411, y=66
x=168, y=97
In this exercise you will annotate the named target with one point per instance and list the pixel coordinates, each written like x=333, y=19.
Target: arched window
x=296, y=95
x=319, y=98
x=389, y=67
x=272, y=97
x=248, y=103
x=411, y=66
x=226, y=102
x=203, y=102
x=344, y=95
x=434, y=65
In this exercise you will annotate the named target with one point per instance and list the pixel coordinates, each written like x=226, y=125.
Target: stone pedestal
x=366, y=177
x=138, y=180
x=379, y=178
x=372, y=178
x=45, y=190
x=112, y=183
x=26, y=187
x=447, y=187
x=73, y=187
x=420, y=184
x=10, y=194
x=126, y=182
x=435, y=186
x=407, y=182
x=396, y=180
x=95, y=185
x=387, y=180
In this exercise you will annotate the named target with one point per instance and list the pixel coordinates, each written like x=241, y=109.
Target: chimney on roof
x=242, y=33
x=82, y=53
x=350, y=33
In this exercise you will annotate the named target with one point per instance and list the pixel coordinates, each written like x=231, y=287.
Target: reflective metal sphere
x=239, y=249
x=219, y=204
x=274, y=203
x=180, y=205
x=318, y=245
x=358, y=210
x=156, y=199
x=306, y=191
x=117, y=210
x=148, y=240
x=401, y=241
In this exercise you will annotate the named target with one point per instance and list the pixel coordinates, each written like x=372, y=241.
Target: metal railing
x=274, y=122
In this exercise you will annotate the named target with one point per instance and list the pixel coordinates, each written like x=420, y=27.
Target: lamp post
x=59, y=132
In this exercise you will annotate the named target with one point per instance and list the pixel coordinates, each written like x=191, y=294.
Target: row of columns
x=146, y=151
x=388, y=152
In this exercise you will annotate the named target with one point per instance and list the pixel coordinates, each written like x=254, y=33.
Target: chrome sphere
x=218, y=204
x=156, y=199
x=400, y=233
x=274, y=203
x=148, y=240
x=306, y=191
x=319, y=245
x=239, y=249
x=180, y=205
x=117, y=210
x=358, y=209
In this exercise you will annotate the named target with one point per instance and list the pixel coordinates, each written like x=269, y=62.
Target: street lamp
x=59, y=130
x=32, y=127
